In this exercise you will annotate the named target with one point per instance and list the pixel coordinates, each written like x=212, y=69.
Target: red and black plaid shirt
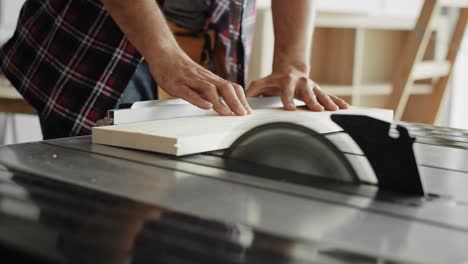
x=71, y=61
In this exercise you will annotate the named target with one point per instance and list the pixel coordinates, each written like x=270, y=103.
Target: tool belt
x=197, y=44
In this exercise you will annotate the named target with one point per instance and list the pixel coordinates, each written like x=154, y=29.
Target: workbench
x=69, y=201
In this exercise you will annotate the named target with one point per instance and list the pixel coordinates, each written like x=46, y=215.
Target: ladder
x=412, y=67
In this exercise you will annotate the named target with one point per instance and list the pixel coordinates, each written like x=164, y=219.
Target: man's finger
x=192, y=97
x=287, y=94
x=230, y=97
x=209, y=92
x=307, y=95
x=342, y=104
x=241, y=95
x=324, y=99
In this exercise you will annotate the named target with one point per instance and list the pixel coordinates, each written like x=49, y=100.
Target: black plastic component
x=392, y=158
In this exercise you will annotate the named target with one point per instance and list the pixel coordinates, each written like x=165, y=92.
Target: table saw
x=71, y=201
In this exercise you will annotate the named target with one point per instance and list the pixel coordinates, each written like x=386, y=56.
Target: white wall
x=19, y=129
x=459, y=98
x=26, y=126
x=10, y=11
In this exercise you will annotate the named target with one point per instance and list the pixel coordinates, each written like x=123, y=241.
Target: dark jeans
x=141, y=87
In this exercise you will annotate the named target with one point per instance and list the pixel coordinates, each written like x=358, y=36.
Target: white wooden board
x=189, y=135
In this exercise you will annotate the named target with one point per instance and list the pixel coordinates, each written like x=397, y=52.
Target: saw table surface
x=71, y=201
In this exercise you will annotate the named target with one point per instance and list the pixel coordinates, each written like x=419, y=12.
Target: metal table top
x=68, y=200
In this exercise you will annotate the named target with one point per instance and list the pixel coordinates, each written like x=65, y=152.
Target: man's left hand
x=294, y=83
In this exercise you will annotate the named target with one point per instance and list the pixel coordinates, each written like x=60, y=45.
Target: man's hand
x=293, y=23
x=293, y=83
x=181, y=77
x=145, y=26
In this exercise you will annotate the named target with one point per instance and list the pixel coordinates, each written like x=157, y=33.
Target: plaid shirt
x=71, y=61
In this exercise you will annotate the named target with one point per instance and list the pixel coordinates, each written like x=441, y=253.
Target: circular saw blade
x=294, y=148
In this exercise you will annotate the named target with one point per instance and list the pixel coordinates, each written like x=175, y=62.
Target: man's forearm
x=144, y=25
x=293, y=25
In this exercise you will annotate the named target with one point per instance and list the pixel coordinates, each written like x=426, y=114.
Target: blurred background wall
x=15, y=128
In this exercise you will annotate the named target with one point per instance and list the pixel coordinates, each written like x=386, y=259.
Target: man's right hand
x=178, y=75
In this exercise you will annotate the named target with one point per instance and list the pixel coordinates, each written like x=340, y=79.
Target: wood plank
x=183, y=136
